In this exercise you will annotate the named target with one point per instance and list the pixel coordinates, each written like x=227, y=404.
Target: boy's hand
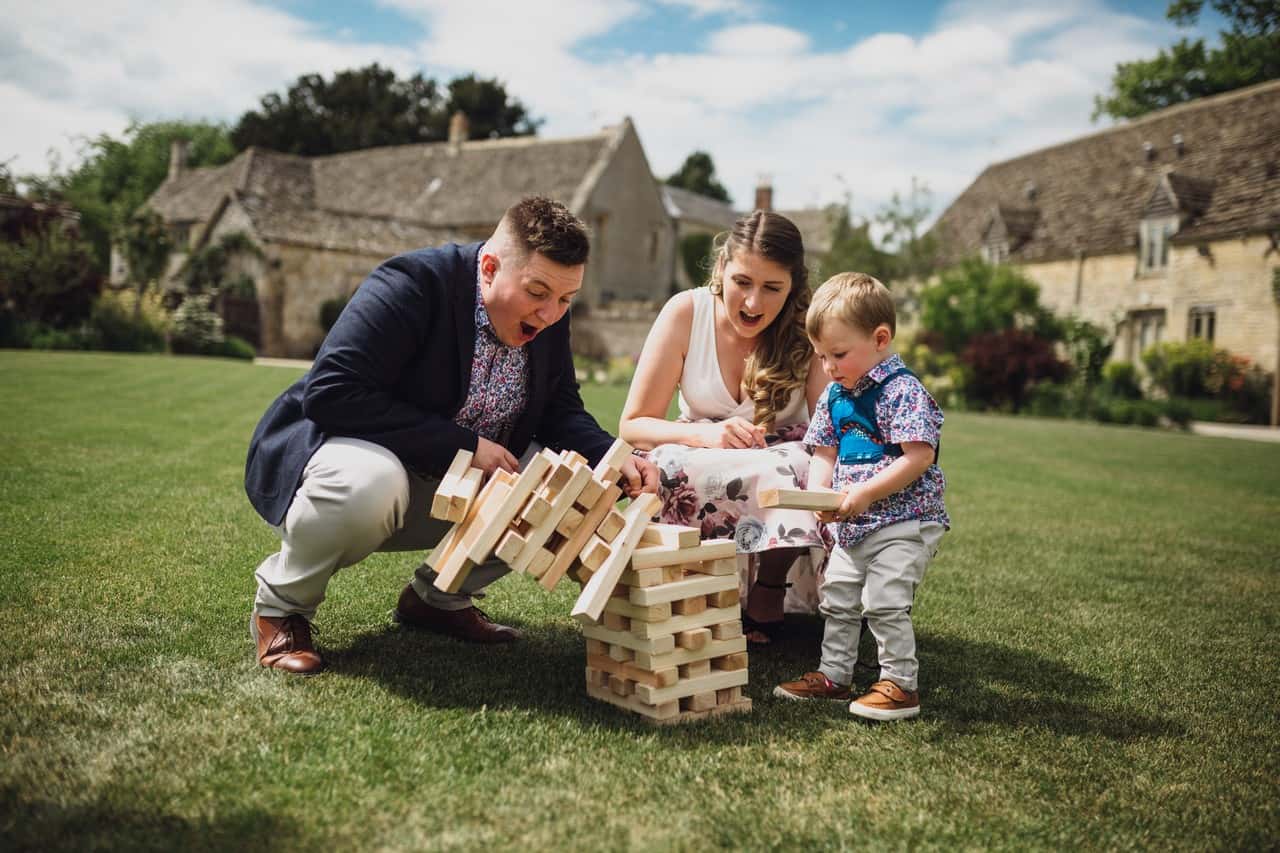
x=855, y=503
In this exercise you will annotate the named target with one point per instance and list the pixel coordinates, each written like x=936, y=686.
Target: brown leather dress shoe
x=470, y=624
x=284, y=642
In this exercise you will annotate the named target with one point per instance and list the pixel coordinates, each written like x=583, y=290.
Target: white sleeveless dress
x=715, y=490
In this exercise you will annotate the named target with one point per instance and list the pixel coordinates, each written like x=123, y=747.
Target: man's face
x=523, y=298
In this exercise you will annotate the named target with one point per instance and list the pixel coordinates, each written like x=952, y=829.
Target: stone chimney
x=177, y=157
x=458, y=129
x=764, y=193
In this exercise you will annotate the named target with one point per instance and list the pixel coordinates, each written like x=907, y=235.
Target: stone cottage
x=323, y=223
x=1164, y=228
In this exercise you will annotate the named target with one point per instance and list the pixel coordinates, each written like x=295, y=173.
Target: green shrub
x=115, y=328
x=1120, y=379
x=47, y=337
x=1047, y=400
x=196, y=329
x=1178, y=411
x=234, y=347
x=329, y=311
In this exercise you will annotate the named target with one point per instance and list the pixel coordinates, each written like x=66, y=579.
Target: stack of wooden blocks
x=659, y=607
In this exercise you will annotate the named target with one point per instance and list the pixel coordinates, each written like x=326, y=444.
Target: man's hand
x=639, y=475
x=490, y=456
x=737, y=433
x=855, y=503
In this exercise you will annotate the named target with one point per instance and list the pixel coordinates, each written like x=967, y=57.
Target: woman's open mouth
x=750, y=319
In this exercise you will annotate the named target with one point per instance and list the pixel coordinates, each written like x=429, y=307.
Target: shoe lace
x=484, y=617
x=294, y=631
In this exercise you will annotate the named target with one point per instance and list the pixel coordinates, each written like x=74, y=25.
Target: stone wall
x=298, y=279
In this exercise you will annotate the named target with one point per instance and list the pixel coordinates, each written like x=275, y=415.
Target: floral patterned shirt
x=905, y=412
x=499, y=381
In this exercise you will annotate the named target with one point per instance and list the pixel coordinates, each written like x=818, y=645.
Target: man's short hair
x=858, y=300
x=538, y=224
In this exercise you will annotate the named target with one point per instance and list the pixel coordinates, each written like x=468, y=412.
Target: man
x=460, y=347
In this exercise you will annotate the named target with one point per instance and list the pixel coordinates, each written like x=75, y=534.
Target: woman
x=748, y=380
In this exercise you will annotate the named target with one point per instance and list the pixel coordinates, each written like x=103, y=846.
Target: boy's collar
x=875, y=375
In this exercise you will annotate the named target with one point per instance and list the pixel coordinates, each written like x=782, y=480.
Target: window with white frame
x=1143, y=329
x=1201, y=322
x=1153, y=243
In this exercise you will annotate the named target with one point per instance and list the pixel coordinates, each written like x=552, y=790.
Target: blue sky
x=829, y=100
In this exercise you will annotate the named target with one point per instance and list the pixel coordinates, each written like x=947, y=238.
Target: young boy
x=874, y=434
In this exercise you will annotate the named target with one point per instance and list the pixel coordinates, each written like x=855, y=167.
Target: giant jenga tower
x=658, y=606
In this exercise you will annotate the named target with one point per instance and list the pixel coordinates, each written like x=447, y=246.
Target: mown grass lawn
x=1100, y=649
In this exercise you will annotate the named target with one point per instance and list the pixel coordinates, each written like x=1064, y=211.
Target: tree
x=146, y=246
x=975, y=298
x=695, y=256
x=368, y=107
x=117, y=175
x=698, y=175
x=1250, y=53
x=47, y=277
x=854, y=249
x=902, y=252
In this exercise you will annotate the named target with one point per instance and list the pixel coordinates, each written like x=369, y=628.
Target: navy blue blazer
x=395, y=369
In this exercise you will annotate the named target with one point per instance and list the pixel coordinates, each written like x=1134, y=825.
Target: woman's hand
x=735, y=433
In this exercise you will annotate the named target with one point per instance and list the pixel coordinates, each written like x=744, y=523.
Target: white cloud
x=994, y=78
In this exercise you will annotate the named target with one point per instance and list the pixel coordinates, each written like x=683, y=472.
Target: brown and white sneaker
x=886, y=701
x=812, y=685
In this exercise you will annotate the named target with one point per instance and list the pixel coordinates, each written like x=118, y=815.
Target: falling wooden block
x=811, y=499
x=591, y=493
x=724, y=598
x=611, y=526
x=661, y=555
x=541, y=532
x=573, y=457
x=596, y=552
x=507, y=509
x=575, y=543
x=596, y=593
x=451, y=559
x=468, y=488
x=449, y=483
x=542, y=560
x=671, y=536
x=727, y=630
x=613, y=460
x=509, y=546
x=535, y=510
x=569, y=522
x=693, y=639
x=689, y=606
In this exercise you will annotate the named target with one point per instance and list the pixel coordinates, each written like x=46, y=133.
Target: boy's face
x=524, y=298
x=848, y=353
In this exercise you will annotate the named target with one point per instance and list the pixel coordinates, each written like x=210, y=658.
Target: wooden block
x=569, y=522
x=595, y=553
x=728, y=695
x=676, y=624
x=596, y=593
x=611, y=526
x=650, y=645
x=449, y=483
x=591, y=493
x=727, y=630
x=595, y=647
x=663, y=713
x=507, y=508
x=573, y=457
x=742, y=706
x=671, y=536
x=689, y=606
x=581, y=574
x=676, y=657
x=661, y=555
x=690, y=687
x=597, y=678
x=738, y=660
x=620, y=605
x=643, y=578
x=535, y=510
x=686, y=588
x=621, y=654
x=572, y=547
x=694, y=669
x=614, y=458
x=699, y=701
x=541, y=532
x=509, y=546
x=622, y=686
x=671, y=574
x=623, y=669
x=451, y=559
x=559, y=476
x=724, y=598
x=608, y=475
x=615, y=621
x=728, y=566
x=468, y=488
x=542, y=560
x=693, y=639
x=811, y=499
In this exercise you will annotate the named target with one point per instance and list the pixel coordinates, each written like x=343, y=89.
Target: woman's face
x=754, y=290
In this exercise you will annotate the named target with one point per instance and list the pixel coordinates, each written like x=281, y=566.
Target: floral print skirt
x=715, y=490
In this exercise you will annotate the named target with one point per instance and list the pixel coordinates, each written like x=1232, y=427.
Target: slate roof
x=1089, y=194
x=391, y=198
x=815, y=227
x=685, y=206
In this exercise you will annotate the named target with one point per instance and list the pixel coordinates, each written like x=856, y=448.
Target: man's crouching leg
x=354, y=495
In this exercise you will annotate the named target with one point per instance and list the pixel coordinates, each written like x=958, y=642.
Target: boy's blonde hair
x=856, y=299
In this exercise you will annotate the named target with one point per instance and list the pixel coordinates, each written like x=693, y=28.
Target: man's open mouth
x=528, y=331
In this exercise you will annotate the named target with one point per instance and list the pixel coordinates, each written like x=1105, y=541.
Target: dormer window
x=1153, y=243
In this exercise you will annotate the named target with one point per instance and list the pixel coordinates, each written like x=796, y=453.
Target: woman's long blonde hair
x=780, y=362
